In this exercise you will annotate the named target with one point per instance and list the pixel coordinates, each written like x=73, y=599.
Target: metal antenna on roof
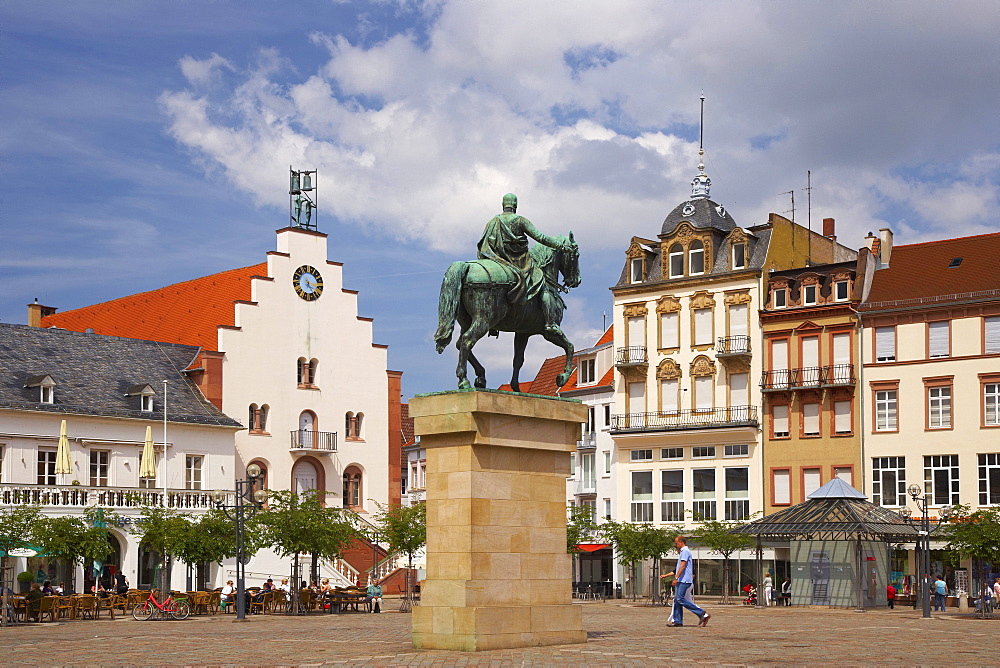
x=604, y=321
x=792, y=211
x=809, y=213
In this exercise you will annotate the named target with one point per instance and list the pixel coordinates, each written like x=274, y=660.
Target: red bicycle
x=177, y=608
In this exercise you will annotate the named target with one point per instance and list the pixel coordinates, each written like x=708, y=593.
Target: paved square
x=620, y=634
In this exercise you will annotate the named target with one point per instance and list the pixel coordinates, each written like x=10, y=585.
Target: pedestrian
x=786, y=592
x=890, y=596
x=768, y=587
x=684, y=580
x=940, y=592
x=996, y=590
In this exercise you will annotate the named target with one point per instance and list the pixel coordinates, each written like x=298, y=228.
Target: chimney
x=886, y=236
x=829, y=227
x=870, y=242
x=36, y=312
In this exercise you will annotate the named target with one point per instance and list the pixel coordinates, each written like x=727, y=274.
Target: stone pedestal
x=498, y=574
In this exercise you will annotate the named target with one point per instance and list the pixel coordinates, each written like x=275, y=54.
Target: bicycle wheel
x=180, y=609
x=142, y=612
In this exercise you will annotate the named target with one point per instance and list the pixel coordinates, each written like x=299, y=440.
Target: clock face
x=307, y=282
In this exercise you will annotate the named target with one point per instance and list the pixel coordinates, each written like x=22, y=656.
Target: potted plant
x=25, y=578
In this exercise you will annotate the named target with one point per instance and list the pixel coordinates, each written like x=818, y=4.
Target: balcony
x=731, y=416
x=811, y=377
x=114, y=498
x=586, y=487
x=588, y=441
x=732, y=346
x=631, y=356
x=316, y=442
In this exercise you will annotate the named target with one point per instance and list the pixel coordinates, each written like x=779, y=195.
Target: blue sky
x=146, y=143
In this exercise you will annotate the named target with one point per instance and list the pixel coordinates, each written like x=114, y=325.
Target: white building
x=108, y=390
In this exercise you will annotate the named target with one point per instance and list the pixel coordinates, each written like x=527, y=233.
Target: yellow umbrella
x=63, y=463
x=147, y=465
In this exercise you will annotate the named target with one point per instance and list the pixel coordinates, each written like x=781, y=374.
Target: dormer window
x=588, y=371
x=696, y=258
x=676, y=261
x=779, y=298
x=809, y=295
x=636, y=270
x=145, y=395
x=46, y=388
x=739, y=256
x=841, y=291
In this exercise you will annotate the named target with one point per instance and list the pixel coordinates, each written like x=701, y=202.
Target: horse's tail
x=451, y=292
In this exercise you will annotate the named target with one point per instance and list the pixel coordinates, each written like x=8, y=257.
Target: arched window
x=261, y=482
x=358, y=422
x=676, y=261
x=307, y=429
x=262, y=417
x=313, y=365
x=696, y=258
x=252, y=418
x=349, y=425
x=352, y=487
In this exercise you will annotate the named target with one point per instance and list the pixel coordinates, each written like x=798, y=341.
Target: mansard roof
x=94, y=374
x=701, y=213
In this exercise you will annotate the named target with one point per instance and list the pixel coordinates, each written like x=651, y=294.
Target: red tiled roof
x=406, y=427
x=608, y=337
x=188, y=313
x=609, y=377
x=545, y=380
x=921, y=270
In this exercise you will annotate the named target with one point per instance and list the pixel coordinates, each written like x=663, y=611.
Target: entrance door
x=306, y=424
x=304, y=474
x=819, y=569
x=104, y=569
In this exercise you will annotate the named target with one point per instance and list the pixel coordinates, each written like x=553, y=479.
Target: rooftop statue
x=508, y=289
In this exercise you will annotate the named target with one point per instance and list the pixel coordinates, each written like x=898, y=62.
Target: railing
x=588, y=441
x=920, y=301
x=672, y=511
x=76, y=496
x=731, y=416
x=733, y=345
x=631, y=355
x=586, y=486
x=314, y=440
x=808, y=377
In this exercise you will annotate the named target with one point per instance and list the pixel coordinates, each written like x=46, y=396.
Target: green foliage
x=209, y=539
x=18, y=525
x=580, y=524
x=404, y=527
x=76, y=539
x=25, y=576
x=162, y=529
x=717, y=536
x=296, y=523
x=635, y=542
x=974, y=535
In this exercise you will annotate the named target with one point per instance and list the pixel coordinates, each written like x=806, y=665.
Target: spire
x=701, y=183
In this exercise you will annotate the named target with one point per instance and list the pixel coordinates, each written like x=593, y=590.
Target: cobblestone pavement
x=619, y=635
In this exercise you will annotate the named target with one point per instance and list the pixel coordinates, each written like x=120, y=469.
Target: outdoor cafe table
x=344, y=599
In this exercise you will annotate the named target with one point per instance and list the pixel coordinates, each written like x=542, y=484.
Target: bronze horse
x=476, y=295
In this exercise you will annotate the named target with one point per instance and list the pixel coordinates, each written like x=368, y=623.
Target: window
x=671, y=496
x=671, y=453
x=811, y=481
x=607, y=414
x=989, y=479
x=779, y=375
x=941, y=479
x=669, y=395
x=739, y=389
x=252, y=418
x=737, y=493
x=885, y=410
x=147, y=483
x=146, y=403
x=352, y=487
x=885, y=344
x=262, y=417
x=809, y=295
x=939, y=407
x=737, y=450
x=588, y=426
x=889, y=481
x=810, y=419
x=938, y=339
x=306, y=372
x=842, y=424
x=991, y=404
x=607, y=462
x=588, y=371
x=636, y=270
x=739, y=256
x=350, y=426
x=46, y=467
x=670, y=336
x=781, y=486
x=696, y=258
x=607, y=509
x=587, y=469
x=840, y=291
x=637, y=334
x=738, y=320
x=845, y=473
x=779, y=421
x=99, y=464
x=991, y=335
x=703, y=399
x=842, y=369
x=703, y=451
x=779, y=298
x=703, y=327
x=47, y=394
x=642, y=455
x=192, y=471
x=637, y=398
x=809, y=375
x=676, y=261
x=642, y=496
x=572, y=465
x=703, y=486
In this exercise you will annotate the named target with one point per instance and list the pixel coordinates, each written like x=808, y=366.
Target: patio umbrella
x=147, y=465
x=63, y=463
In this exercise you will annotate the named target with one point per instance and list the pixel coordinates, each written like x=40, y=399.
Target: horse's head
x=569, y=262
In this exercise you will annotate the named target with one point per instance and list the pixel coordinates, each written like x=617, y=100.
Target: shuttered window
x=669, y=330
x=841, y=348
x=779, y=421
x=703, y=393
x=810, y=419
x=739, y=389
x=938, y=339
x=991, y=335
x=779, y=355
x=636, y=397
x=703, y=327
x=738, y=320
x=636, y=331
x=885, y=344
x=668, y=395
x=844, y=473
x=842, y=417
x=810, y=482
x=782, y=486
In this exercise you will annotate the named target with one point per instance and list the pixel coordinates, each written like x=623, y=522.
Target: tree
x=974, y=535
x=636, y=542
x=165, y=530
x=76, y=539
x=405, y=528
x=719, y=538
x=18, y=525
x=209, y=539
x=580, y=524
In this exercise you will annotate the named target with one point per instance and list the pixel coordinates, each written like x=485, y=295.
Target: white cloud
x=206, y=72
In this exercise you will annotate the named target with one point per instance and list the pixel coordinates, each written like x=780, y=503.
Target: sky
x=144, y=143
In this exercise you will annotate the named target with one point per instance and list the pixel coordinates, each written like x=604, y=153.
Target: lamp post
x=245, y=506
x=924, y=542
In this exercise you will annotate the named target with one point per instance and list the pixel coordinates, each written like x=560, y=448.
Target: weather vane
x=302, y=197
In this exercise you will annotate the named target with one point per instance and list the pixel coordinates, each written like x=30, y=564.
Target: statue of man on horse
x=509, y=288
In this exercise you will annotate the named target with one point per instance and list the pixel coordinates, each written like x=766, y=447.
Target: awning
x=591, y=547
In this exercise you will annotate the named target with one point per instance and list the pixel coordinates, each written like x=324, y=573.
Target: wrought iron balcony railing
x=115, y=498
x=588, y=441
x=631, y=355
x=732, y=345
x=314, y=440
x=730, y=416
x=835, y=375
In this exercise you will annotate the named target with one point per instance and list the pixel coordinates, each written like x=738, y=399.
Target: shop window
x=642, y=496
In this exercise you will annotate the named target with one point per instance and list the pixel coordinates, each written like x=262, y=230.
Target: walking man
x=940, y=593
x=683, y=580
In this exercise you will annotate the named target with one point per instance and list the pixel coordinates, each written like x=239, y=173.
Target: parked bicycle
x=178, y=608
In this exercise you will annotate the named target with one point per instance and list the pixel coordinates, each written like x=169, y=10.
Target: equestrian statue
x=509, y=288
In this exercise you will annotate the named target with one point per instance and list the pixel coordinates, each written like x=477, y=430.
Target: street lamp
x=924, y=541
x=245, y=506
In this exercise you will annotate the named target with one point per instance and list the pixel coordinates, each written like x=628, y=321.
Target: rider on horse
x=505, y=241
